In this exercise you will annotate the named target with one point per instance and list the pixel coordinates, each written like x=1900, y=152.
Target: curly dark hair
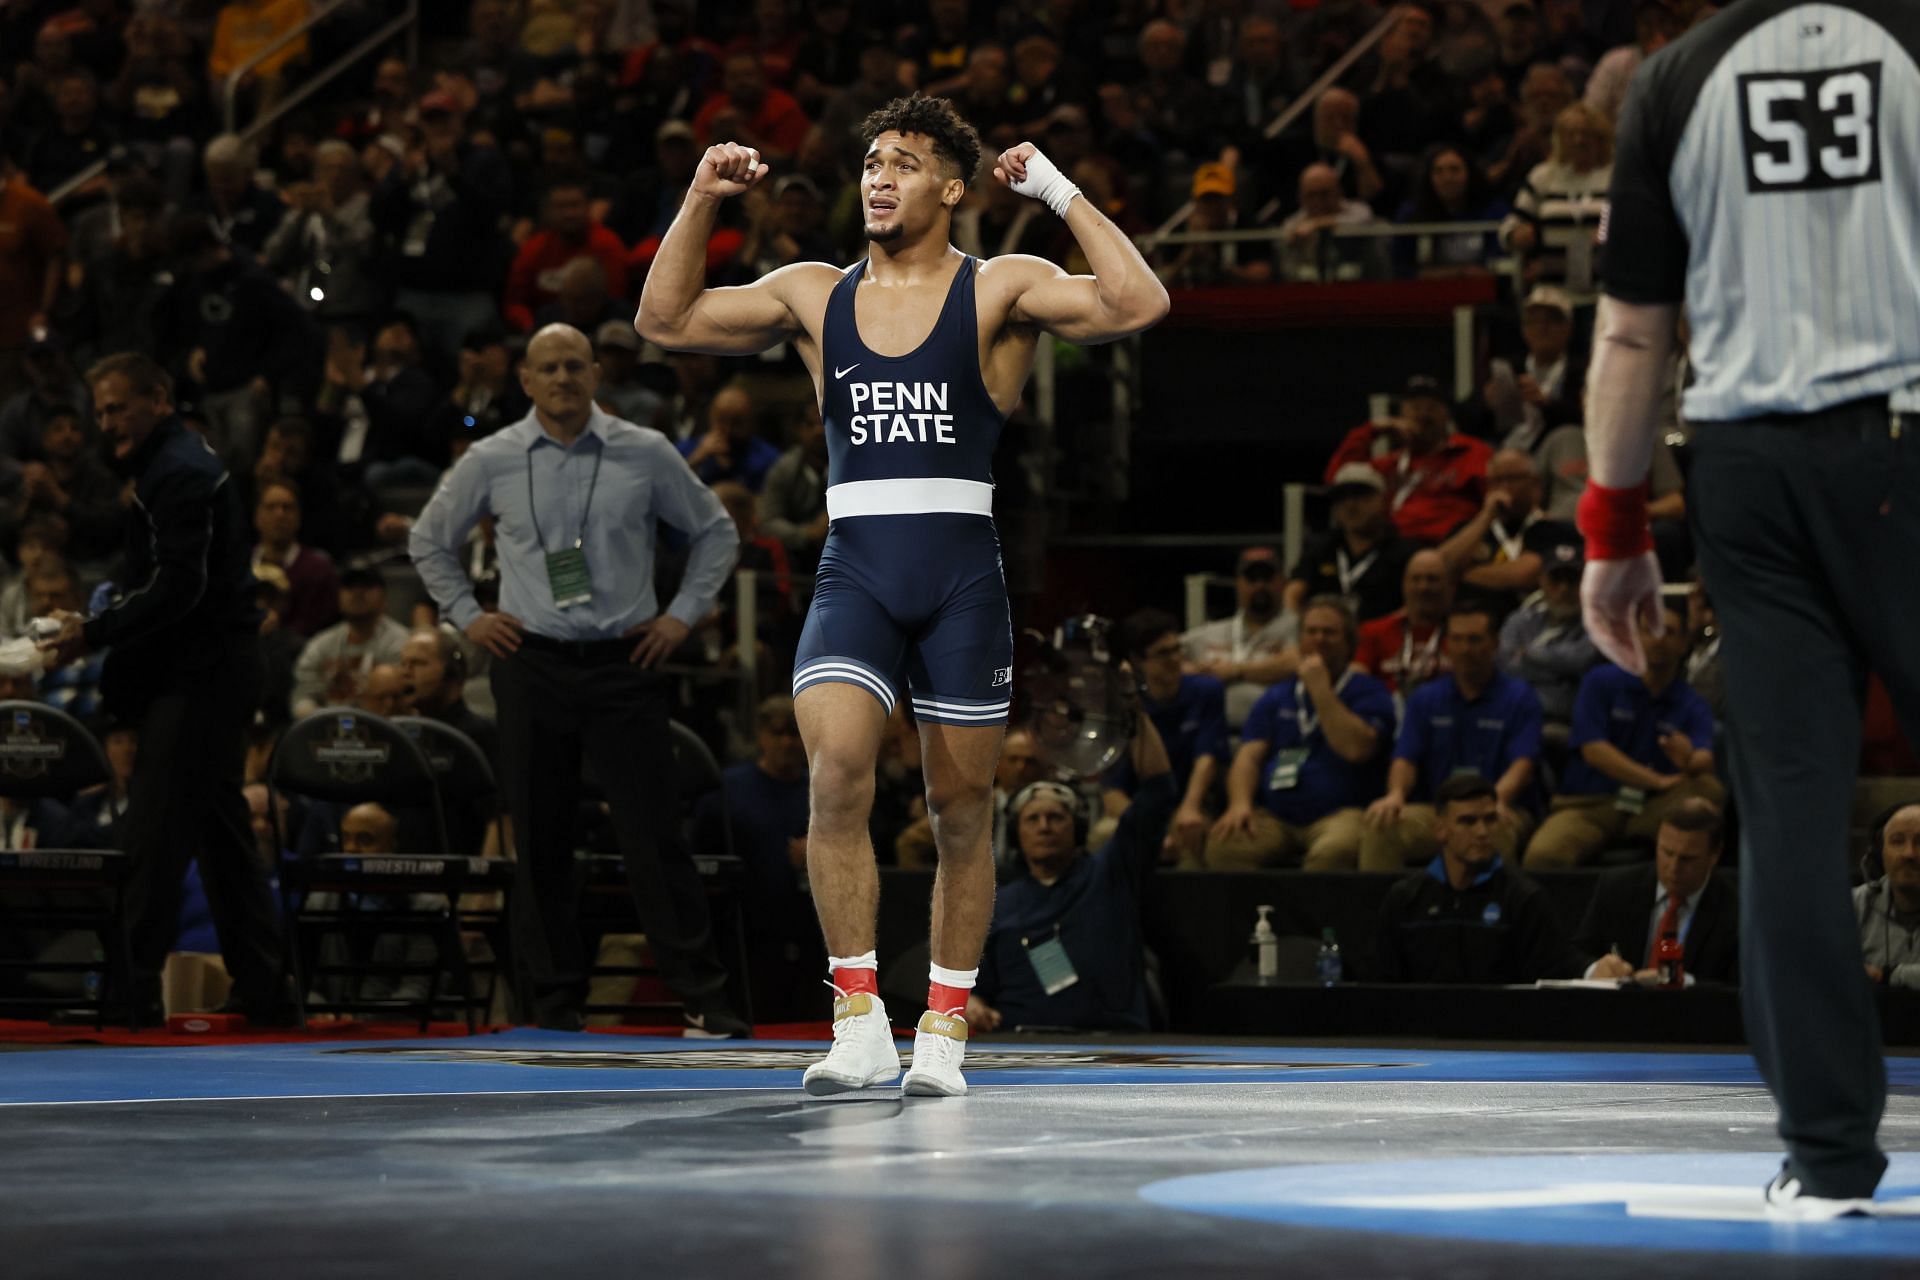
x=954, y=140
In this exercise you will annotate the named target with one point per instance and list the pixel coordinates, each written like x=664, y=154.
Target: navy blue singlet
x=910, y=587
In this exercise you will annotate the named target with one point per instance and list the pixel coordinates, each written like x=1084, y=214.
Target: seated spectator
x=242, y=212
x=1563, y=459
x=1449, y=186
x=486, y=395
x=1308, y=250
x=1309, y=757
x=1642, y=746
x=1253, y=648
x=1077, y=907
x=1190, y=712
x=313, y=586
x=380, y=415
x=72, y=485
x=1654, y=24
x=568, y=230
x=49, y=385
x=383, y=691
x=751, y=112
x=729, y=449
x=1467, y=917
x=793, y=503
x=1545, y=641
x=1020, y=765
x=1497, y=556
x=583, y=301
x=1405, y=649
x=435, y=667
x=43, y=540
x=1363, y=558
x=77, y=138
x=325, y=247
x=1200, y=264
x=623, y=392
x=1435, y=476
x=1555, y=223
x=1336, y=144
x=1524, y=400
x=369, y=830
x=93, y=821
x=121, y=286
x=1679, y=894
x=787, y=224
x=1474, y=722
x=333, y=667
x=1887, y=906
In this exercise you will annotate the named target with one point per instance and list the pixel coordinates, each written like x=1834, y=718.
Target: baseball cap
x=617, y=333
x=1212, y=180
x=439, y=100
x=1259, y=562
x=1420, y=385
x=796, y=182
x=1546, y=295
x=1067, y=116
x=1561, y=549
x=674, y=129
x=1355, y=475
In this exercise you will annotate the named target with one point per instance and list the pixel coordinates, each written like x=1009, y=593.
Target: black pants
x=556, y=706
x=184, y=803
x=1808, y=532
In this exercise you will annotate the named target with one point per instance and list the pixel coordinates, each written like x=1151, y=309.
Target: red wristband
x=1614, y=522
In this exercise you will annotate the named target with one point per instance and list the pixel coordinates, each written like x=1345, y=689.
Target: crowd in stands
x=343, y=296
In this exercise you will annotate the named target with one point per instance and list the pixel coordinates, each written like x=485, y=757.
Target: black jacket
x=1501, y=928
x=185, y=589
x=1621, y=915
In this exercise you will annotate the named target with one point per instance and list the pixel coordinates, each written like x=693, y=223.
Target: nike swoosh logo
x=841, y=373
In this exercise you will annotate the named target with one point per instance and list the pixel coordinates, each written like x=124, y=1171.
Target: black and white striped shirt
x=1767, y=173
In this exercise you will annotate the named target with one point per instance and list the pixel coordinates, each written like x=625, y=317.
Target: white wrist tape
x=1044, y=182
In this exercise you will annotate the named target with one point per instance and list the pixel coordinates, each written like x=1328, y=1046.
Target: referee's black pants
x=557, y=704
x=184, y=802
x=1808, y=532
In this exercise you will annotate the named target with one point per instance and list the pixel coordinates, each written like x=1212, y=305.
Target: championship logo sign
x=25, y=751
x=348, y=756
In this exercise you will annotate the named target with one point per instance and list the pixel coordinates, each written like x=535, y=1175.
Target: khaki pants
x=1412, y=841
x=1581, y=826
x=1331, y=843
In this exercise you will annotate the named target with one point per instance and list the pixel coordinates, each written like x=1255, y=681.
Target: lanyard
x=1303, y=703
x=533, y=516
x=1242, y=649
x=1429, y=652
x=1350, y=573
x=1407, y=484
x=1512, y=544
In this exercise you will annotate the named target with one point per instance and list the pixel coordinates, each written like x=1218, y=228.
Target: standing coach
x=185, y=667
x=1765, y=176
x=574, y=495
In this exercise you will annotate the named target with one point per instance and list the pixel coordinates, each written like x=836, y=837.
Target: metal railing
x=405, y=20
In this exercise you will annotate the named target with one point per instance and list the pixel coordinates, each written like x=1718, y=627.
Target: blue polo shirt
x=1193, y=723
x=1614, y=705
x=1443, y=734
x=1327, y=782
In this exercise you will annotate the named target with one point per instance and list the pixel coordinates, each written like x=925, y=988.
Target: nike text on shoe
x=1788, y=1202
x=862, y=1055
x=939, y=1046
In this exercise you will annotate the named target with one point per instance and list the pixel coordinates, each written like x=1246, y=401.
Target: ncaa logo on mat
x=1651, y=1200
x=348, y=756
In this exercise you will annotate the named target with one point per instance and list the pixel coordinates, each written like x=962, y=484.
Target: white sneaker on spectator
x=1787, y=1201
x=939, y=1046
x=863, y=1052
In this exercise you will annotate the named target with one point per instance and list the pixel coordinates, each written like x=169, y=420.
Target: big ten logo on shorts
x=895, y=412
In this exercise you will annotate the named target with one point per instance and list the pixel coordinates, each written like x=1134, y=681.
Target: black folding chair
x=344, y=755
x=606, y=898
x=466, y=778
x=46, y=754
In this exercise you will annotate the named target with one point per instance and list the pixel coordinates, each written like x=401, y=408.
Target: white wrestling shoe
x=1788, y=1202
x=863, y=1053
x=939, y=1046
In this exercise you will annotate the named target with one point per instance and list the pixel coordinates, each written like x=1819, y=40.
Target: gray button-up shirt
x=642, y=479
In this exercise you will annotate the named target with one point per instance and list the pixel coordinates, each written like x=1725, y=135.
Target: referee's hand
x=1617, y=598
x=658, y=638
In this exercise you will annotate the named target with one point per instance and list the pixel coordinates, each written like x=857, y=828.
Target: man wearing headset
x=1888, y=904
x=1064, y=948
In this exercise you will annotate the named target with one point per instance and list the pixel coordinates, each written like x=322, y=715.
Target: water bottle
x=1266, y=946
x=1669, y=962
x=1326, y=967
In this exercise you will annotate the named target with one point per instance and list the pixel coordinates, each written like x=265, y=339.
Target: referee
x=1765, y=177
x=184, y=666
x=574, y=495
